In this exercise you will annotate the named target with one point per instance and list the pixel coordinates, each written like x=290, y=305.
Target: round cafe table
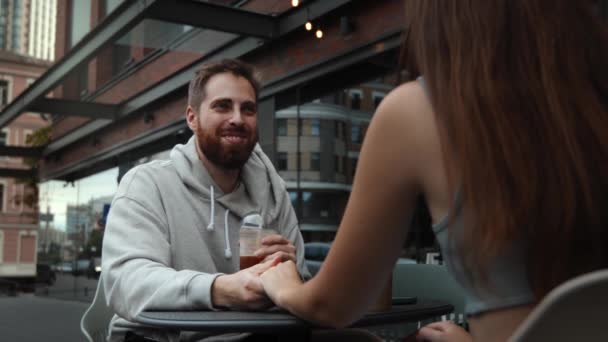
x=281, y=322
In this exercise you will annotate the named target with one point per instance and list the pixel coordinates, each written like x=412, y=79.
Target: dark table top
x=276, y=320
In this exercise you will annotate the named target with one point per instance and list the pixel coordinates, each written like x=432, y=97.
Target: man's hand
x=276, y=247
x=242, y=290
x=443, y=332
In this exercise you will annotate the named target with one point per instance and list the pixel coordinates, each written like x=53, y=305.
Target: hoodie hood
x=259, y=190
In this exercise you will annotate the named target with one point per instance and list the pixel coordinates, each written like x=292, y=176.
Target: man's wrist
x=219, y=291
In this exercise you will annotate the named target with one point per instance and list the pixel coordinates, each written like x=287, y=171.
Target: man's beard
x=226, y=156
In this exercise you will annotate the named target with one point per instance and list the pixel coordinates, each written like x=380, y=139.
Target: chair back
x=577, y=310
x=426, y=281
x=96, y=320
x=422, y=281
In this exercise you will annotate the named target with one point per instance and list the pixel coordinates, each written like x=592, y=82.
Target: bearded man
x=172, y=234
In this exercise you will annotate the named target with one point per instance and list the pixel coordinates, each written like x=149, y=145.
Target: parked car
x=45, y=274
x=81, y=266
x=65, y=267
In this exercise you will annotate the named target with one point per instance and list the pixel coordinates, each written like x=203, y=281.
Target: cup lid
x=252, y=221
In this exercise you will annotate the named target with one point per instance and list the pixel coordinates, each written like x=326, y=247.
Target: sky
x=59, y=194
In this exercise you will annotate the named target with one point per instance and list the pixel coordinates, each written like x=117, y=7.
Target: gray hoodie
x=171, y=231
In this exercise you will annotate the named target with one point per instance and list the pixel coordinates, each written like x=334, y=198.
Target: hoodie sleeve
x=288, y=223
x=136, y=272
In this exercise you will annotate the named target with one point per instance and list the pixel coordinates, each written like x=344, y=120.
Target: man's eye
x=222, y=106
x=249, y=109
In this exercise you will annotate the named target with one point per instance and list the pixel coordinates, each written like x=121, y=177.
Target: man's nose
x=237, y=117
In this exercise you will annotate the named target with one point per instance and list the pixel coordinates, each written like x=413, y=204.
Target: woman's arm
x=374, y=225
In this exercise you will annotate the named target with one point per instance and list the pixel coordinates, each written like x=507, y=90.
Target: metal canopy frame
x=77, y=108
x=239, y=46
x=361, y=62
x=20, y=151
x=18, y=173
x=126, y=17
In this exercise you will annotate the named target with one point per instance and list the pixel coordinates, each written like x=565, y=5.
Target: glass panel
x=80, y=20
x=110, y=5
x=281, y=127
x=325, y=207
x=150, y=52
x=282, y=161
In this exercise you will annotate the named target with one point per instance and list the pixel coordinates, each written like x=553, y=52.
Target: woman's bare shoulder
x=406, y=127
x=408, y=102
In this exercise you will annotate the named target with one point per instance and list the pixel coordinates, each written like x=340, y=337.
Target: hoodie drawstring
x=212, y=215
x=210, y=226
x=228, y=252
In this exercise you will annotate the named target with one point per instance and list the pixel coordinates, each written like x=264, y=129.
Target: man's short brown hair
x=196, y=90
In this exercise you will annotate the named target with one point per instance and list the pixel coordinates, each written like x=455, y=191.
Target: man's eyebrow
x=221, y=99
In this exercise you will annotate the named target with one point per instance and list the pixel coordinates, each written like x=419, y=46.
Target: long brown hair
x=520, y=88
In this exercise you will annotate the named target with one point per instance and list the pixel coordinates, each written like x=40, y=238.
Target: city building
x=78, y=223
x=14, y=25
x=51, y=236
x=27, y=27
x=18, y=206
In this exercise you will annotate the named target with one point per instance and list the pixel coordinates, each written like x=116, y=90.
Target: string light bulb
x=319, y=33
x=308, y=26
x=295, y=3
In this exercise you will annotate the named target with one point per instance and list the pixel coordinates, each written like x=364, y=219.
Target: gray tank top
x=508, y=283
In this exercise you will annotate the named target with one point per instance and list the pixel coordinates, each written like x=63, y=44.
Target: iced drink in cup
x=250, y=240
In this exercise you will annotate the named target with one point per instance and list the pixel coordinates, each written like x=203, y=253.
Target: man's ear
x=191, y=118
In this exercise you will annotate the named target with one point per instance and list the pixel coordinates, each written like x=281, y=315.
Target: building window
x=293, y=197
x=322, y=206
x=81, y=20
x=354, y=166
x=282, y=127
x=2, y=191
x=339, y=132
x=378, y=97
x=1, y=246
x=339, y=167
x=355, y=133
x=282, y=161
x=315, y=161
x=4, y=137
x=315, y=129
x=355, y=99
x=4, y=93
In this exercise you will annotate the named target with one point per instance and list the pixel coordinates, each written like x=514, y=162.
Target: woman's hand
x=281, y=279
x=443, y=332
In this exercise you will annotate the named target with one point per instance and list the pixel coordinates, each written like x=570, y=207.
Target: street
x=68, y=287
x=51, y=314
x=27, y=318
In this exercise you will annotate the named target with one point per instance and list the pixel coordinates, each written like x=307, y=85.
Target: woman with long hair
x=506, y=137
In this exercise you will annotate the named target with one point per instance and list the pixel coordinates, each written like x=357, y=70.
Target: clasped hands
x=253, y=288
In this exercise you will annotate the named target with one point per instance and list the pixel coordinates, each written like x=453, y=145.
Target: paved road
x=68, y=287
x=27, y=318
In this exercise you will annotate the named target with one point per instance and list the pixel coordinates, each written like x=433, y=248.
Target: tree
x=40, y=137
